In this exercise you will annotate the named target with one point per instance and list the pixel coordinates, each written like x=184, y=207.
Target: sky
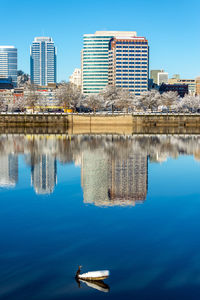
x=171, y=27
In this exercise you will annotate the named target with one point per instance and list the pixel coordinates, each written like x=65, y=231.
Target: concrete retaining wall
x=94, y=120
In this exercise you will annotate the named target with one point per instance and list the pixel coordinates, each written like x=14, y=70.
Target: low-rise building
x=162, y=77
x=198, y=86
x=154, y=75
x=75, y=78
x=181, y=89
x=6, y=84
x=190, y=82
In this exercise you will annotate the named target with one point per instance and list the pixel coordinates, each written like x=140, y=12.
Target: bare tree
x=3, y=105
x=109, y=96
x=149, y=100
x=68, y=95
x=189, y=104
x=93, y=102
x=31, y=96
x=169, y=99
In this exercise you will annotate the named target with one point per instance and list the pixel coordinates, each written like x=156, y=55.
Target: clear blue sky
x=172, y=28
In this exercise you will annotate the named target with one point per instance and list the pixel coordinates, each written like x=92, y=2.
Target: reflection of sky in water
x=151, y=249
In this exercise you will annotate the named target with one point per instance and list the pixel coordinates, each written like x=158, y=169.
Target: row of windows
x=87, y=64
x=101, y=76
x=129, y=42
x=120, y=55
x=96, y=85
x=131, y=65
x=121, y=59
x=98, y=52
x=132, y=88
x=130, y=51
x=136, y=71
x=98, y=47
x=137, y=65
x=95, y=72
x=126, y=77
x=95, y=54
x=131, y=47
x=135, y=82
x=96, y=41
x=95, y=82
x=86, y=61
x=96, y=44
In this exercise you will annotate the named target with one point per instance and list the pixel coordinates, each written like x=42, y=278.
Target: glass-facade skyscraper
x=95, y=59
x=8, y=63
x=43, y=61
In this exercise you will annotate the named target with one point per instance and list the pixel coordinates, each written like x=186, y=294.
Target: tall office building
x=95, y=59
x=129, y=64
x=8, y=63
x=43, y=61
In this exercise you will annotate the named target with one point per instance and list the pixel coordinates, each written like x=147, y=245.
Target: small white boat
x=95, y=275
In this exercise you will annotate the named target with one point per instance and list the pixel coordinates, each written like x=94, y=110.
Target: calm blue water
x=130, y=205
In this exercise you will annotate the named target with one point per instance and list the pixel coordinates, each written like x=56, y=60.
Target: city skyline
x=169, y=45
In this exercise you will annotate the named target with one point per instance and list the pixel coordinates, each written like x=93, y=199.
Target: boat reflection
x=98, y=285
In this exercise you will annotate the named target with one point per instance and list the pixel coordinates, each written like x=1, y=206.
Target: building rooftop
x=10, y=47
x=43, y=39
x=113, y=33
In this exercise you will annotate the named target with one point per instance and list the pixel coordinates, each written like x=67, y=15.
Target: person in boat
x=78, y=272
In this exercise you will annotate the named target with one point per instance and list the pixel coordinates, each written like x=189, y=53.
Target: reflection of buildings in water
x=109, y=180
x=158, y=157
x=8, y=170
x=44, y=174
x=94, y=176
x=128, y=179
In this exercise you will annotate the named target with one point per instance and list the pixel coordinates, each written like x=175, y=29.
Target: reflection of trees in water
x=114, y=169
x=67, y=149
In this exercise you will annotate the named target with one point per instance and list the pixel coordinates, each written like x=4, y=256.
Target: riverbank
x=100, y=122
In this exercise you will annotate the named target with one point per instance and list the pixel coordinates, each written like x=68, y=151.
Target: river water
x=129, y=204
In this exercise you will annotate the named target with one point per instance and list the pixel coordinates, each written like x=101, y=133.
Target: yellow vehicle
x=51, y=108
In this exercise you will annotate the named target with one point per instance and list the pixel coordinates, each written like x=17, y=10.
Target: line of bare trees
x=117, y=99
x=110, y=99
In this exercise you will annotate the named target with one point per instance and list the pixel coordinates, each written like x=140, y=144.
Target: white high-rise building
x=8, y=63
x=75, y=78
x=95, y=59
x=162, y=78
x=43, y=61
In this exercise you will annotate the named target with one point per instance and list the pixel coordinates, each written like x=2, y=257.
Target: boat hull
x=93, y=278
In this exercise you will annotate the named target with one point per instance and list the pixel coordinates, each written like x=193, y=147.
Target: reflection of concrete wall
x=43, y=174
x=8, y=170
